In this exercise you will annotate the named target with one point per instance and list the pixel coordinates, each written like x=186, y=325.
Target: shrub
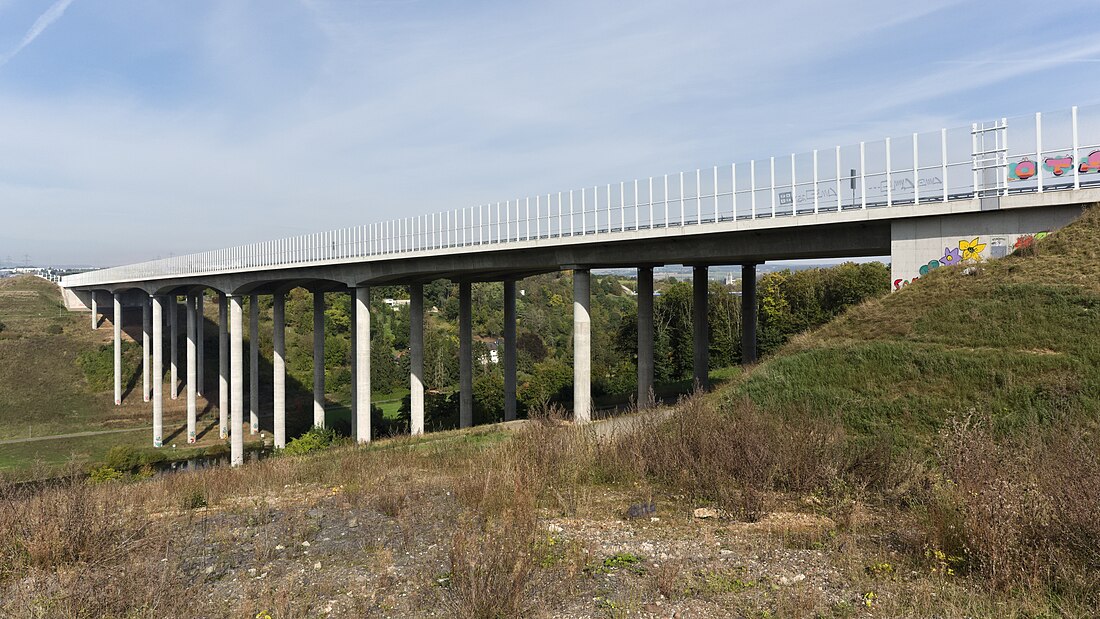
x=315, y=439
x=54, y=329
x=104, y=474
x=122, y=458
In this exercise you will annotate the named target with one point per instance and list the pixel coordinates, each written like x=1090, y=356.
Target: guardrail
x=1046, y=154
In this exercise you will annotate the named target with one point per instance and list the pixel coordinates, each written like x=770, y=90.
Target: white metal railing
x=1046, y=154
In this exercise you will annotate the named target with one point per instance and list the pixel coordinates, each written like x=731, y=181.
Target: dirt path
x=31, y=439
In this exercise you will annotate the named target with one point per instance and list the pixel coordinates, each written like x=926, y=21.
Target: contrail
x=44, y=20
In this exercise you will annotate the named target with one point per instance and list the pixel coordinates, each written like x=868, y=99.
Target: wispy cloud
x=44, y=20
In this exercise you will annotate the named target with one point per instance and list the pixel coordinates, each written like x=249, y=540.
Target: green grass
x=1016, y=338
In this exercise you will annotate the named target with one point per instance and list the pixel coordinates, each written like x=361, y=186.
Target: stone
x=642, y=510
x=705, y=512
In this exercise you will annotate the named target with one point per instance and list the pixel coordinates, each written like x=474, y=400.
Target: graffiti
x=1090, y=164
x=967, y=251
x=970, y=251
x=190, y=437
x=1028, y=240
x=1057, y=166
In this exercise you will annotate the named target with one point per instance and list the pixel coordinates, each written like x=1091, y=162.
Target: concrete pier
x=200, y=376
x=748, y=314
x=192, y=369
x=700, y=327
x=509, y=349
x=116, y=322
x=362, y=364
x=158, y=371
x=645, y=337
x=465, y=356
x=146, y=352
x=416, y=359
x=223, y=366
x=173, y=346
x=95, y=312
x=278, y=398
x=318, y=359
x=354, y=362
x=254, y=363
x=236, y=373
x=582, y=346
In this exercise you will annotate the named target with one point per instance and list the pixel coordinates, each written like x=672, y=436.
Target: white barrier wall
x=921, y=244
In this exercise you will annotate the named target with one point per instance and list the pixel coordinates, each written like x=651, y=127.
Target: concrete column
x=354, y=364
x=254, y=363
x=173, y=346
x=146, y=353
x=236, y=373
x=465, y=356
x=748, y=314
x=700, y=327
x=279, y=364
x=158, y=371
x=416, y=359
x=582, y=346
x=95, y=312
x=223, y=367
x=362, y=364
x=645, y=337
x=192, y=369
x=318, y=359
x=116, y=322
x=200, y=376
x=509, y=350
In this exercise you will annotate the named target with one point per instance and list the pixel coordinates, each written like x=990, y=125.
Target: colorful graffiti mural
x=969, y=251
x=1057, y=166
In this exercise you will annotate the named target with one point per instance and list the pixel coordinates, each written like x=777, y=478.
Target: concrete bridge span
x=924, y=207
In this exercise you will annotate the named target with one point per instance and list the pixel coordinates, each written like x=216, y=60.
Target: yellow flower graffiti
x=971, y=250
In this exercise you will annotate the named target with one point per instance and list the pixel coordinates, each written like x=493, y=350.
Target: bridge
x=927, y=200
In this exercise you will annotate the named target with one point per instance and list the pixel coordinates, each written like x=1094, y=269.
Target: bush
x=122, y=458
x=104, y=474
x=54, y=329
x=315, y=439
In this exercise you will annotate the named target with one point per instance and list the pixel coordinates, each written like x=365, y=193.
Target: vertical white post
x=817, y=201
x=527, y=216
x=974, y=157
x=683, y=219
x=752, y=186
x=889, y=178
x=916, y=170
x=584, y=212
x=715, y=194
x=570, y=212
x=863, y=175
x=666, y=200
x=1076, y=146
x=794, y=188
x=650, y=202
x=362, y=365
x=278, y=364
x=733, y=190
x=773, y=185
x=943, y=162
x=192, y=350
x=416, y=359
x=158, y=371
x=1039, y=151
x=839, y=188
x=116, y=323
x=538, y=216
x=698, y=196
x=622, y=206
x=609, y=207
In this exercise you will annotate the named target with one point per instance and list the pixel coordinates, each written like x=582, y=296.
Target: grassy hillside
x=1015, y=338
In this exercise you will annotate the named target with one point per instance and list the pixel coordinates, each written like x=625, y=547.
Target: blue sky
x=132, y=129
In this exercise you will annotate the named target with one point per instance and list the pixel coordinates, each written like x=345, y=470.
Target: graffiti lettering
x=1090, y=164
x=1022, y=170
x=1058, y=165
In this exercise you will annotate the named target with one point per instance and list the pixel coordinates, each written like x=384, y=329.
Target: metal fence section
x=1047, y=152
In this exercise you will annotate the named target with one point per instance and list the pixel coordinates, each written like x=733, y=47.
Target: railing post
x=816, y=200
x=752, y=187
x=773, y=185
x=916, y=170
x=1039, y=151
x=1076, y=146
x=943, y=161
x=889, y=177
x=863, y=175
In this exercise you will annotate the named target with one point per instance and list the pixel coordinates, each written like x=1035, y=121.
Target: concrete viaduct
x=913, y=199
